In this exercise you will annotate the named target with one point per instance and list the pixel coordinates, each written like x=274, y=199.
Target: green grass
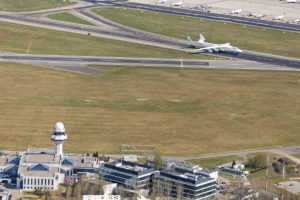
x=31, y=5
x=25, y=39
x=230, y=178
x=297, y=155
x=217, y=111
x=216, y=161
x=246, y=37
x=67, y=17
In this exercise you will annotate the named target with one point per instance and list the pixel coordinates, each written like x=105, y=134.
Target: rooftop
x=24, y=171
x=130, y=168
x=186, y=178
x=82, y=161
x=41, y=150
x=3, y=160
x=38, y=158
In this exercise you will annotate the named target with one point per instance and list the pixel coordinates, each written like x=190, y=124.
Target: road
x=120, y=32
x=243, y=153
x=201, y=14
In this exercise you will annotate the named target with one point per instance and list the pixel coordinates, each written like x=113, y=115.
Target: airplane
x=297, y=21
x=280, y=17
x=291, y=1
x=238, y=11
x=178, y=3
x=161, y=1
x=202, y=46
x=257, y=15
x=202, y=7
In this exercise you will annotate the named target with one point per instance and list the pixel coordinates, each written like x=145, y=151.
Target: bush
x=258, y=161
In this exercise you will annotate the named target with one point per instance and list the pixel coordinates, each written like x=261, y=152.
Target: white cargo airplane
x=280, y=17
x=202, y=46
x=178, y=3
x=238, y=11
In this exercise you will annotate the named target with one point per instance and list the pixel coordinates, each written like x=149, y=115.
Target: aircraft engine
x=216, y=50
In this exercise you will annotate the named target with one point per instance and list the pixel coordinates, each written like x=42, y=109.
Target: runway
x=120, y=32
x=80, y=64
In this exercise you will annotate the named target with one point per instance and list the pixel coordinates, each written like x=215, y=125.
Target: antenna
x=267, y=173
x=283, y=177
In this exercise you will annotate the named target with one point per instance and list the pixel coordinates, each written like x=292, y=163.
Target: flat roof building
x=130, y=175
x=186, y=181
x=46, y=167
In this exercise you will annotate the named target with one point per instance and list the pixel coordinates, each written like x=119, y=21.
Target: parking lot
x=268, y=8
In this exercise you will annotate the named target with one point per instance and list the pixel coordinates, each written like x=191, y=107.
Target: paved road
x=247, y=55
x=200, y=14
x=121, y=32
x=243, y=154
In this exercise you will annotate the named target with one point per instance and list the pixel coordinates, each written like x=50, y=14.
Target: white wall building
x=47, y=168
x=4, y=195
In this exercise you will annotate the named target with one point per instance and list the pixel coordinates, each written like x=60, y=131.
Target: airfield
x=116, y=84
x=271, y=8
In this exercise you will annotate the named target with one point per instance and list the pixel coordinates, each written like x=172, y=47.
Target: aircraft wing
x=213, y=47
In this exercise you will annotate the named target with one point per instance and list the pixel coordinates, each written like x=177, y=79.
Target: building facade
x=186, y=181
x=46, y=168
x=130, y=175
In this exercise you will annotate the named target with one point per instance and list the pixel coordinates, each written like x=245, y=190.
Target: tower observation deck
x=59, y=137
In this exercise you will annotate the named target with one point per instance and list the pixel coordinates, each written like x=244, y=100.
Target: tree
x=39, y=192
x=68, y=192
x=179, y=190
x=233, y=163
x=258, y=161
x=158, y=161
x=68, y=181
x=95, y=154
x=77, y=190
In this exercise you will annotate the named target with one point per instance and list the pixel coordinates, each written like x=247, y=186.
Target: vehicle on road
x=238, y=11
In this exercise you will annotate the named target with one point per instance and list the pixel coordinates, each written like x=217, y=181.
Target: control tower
x=59, y=137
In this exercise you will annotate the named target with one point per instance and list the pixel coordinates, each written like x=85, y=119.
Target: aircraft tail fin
x=189, y=39
x=201, y=38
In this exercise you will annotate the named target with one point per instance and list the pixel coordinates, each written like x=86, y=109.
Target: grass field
x=215, y=162
x=67, y=17
x=188, y=111
x=25, y=39
x=31, y=5
x=245, y=37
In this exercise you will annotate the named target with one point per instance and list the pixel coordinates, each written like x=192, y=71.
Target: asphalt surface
x=243, y=153
x=125, y=33
x=250, y=56
x=201, y=14
x=128, y=61
x=79, y=64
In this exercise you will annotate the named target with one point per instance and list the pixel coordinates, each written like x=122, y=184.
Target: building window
x=52, y=182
